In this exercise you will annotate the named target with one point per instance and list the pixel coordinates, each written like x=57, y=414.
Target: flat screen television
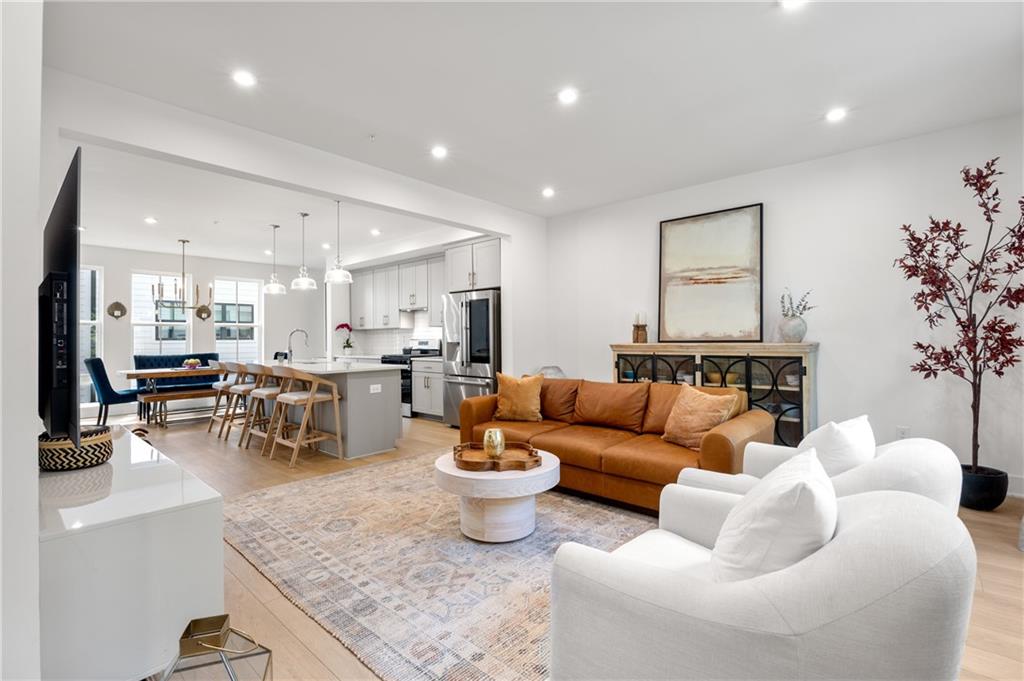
x=58, y=311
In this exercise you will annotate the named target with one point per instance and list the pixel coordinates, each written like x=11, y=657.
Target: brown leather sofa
x=608, y=436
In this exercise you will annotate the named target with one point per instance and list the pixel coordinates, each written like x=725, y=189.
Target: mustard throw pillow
x=694, y=414
x=518, y=398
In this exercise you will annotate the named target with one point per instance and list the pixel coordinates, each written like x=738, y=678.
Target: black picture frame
x=760, y=276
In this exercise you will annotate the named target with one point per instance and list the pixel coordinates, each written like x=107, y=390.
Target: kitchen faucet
x=291, y=355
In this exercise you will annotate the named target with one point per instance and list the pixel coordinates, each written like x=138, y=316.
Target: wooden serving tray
x=518, y=456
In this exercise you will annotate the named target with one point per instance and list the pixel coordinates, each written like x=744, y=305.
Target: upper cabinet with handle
x=435, y=279
x=414, y=286
x=362, y=300
x=386, y=310
x=473, y=266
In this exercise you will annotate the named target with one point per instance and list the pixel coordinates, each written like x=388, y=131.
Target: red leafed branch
x=968, y=286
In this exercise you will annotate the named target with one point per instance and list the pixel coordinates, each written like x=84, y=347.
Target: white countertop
x=343, y=367
x=137, y=481
x=427, y=359
x=342, y=358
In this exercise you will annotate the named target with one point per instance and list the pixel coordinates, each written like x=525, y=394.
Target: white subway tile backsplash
x=390, y=341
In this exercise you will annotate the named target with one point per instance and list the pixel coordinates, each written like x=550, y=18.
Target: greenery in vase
x=797, y=309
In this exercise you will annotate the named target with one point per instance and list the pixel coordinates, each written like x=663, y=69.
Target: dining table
x=150, y=376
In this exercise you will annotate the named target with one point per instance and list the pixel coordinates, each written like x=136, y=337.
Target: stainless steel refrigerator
x=471, y=347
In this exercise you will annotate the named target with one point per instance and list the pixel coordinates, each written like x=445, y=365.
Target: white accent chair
x=888, y=597
x=917, y=465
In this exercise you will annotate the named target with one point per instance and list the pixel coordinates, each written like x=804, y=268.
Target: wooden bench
x=161, y=400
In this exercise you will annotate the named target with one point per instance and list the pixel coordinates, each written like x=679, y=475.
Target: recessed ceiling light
x=792, y=5
x=326, y=246
x=268, y=252
x=375, y=232
x=547, y=192
x=149, y=220
x=568, y=95
x=835, y=115
x=243, y=78
x=439, y=152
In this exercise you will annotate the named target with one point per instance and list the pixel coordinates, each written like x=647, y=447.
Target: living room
x=598, y=222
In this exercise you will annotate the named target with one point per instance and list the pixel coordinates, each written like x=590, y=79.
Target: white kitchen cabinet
x=427, y=388
x=436, y=288
x=487, y=264
x=386, y=312
x=362, y=300
x=414, y=286
x=473, y=266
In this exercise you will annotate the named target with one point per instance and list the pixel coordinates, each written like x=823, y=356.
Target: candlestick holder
x=639, y=333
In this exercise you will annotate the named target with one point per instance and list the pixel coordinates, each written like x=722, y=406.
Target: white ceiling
x=227, y=217
x=671, y=94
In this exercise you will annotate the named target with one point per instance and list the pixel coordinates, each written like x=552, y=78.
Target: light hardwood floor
x=304, y=650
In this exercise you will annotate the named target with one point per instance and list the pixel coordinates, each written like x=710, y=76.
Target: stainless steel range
x=471, y=349
x=418, y=347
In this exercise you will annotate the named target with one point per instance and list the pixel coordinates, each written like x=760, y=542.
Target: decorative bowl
x=192, y=363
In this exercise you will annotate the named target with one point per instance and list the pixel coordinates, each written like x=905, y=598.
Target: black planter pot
x=983, y=489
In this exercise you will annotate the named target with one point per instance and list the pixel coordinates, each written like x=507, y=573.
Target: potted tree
x=970, y=287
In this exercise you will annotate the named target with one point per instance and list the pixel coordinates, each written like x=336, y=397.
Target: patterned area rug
x=375, y=556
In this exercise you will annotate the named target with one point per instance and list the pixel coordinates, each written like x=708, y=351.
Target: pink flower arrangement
x=347, y=328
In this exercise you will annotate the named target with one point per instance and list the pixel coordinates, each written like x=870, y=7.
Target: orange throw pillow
x=694, y=414
x=519, y=398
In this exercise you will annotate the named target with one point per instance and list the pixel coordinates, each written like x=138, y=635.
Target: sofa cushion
x=841, y=446
x=648, y=458
x=558, y=398
x=580, y=445
x=613, y=405
x=516, y=431
x=663, y=397
x=694, y=414
x=518, y=398
x=669, y=551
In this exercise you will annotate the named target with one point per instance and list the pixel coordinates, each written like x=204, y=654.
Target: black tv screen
x=58, y=311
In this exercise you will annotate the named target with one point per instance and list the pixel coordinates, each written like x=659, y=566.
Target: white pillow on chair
x=841, y=446
x=787, y=516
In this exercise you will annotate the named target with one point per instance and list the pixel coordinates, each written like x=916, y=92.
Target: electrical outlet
x=902, y=432
x=375, y=388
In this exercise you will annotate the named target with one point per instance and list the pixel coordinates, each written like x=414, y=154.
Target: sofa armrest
x=760, y=458
x=474, y=410
x=695, y=514
x=721, y=448
x=740, y=483
x=618, y=618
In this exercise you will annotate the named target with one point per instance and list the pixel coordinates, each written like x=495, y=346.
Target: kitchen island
x=371, y=405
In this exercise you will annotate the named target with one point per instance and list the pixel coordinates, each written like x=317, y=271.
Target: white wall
x=281, y=314
x=830, y=225
x=21, y=35
x=142, y=125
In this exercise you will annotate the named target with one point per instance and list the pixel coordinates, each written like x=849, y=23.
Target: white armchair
x=887, y=598
x=917, y=465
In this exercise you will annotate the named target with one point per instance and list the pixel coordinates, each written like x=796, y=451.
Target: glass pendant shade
x=338, y=274
x=303, y=282
x=274, y=287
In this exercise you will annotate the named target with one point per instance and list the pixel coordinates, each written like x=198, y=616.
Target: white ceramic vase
x=346, y=351
x=792, y=329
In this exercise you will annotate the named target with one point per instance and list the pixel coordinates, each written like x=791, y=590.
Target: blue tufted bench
x=172, y=362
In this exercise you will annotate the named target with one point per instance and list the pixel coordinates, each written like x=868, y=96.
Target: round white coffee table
x=497, y=507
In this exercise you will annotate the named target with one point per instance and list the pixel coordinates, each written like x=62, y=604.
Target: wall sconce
x=204, y=312
x=117, y=310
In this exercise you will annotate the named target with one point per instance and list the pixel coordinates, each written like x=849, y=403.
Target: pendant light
x=304, y=282
x=274, y=287
x=338, y=274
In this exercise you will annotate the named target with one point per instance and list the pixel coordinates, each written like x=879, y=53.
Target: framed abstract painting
x=711, y=272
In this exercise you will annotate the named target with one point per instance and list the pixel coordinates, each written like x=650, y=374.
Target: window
x=90, y=327
x=236, y=319
x=162, y=330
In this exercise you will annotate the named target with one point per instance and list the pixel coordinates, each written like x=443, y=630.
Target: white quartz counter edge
x=327, y=368
x=427, y=359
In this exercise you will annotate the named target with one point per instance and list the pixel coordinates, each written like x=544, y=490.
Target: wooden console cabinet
x=778, y=378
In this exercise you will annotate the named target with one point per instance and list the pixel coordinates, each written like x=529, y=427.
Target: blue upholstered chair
x=105, y=393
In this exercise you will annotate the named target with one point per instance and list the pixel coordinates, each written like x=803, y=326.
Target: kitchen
x=437, y=316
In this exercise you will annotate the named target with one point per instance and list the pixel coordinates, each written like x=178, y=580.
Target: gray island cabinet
x=371, y=406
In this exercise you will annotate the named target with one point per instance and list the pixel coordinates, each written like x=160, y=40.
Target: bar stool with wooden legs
x=237, y=394
x=306, y=398
x=226, y=381
x=257, y=419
